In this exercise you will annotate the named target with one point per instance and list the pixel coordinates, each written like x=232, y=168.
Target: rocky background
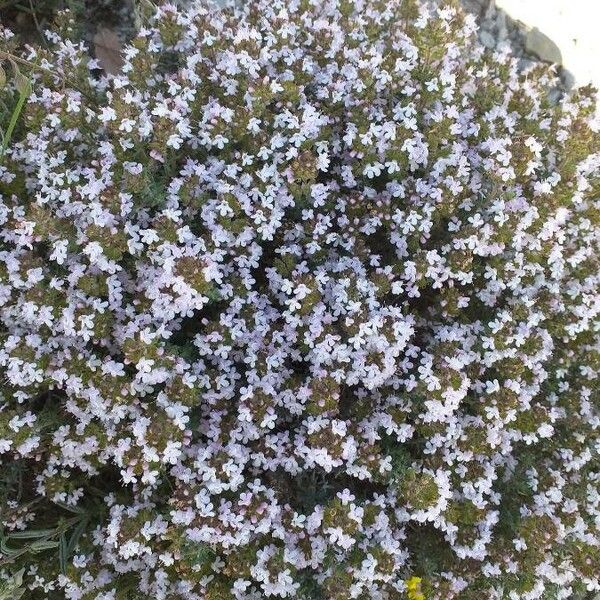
x=529, y=43
x=106, y=25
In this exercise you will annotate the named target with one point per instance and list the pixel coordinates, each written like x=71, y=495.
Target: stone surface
x=501, y=28
x=487, y=39
x=107, y=47
x=554, y=31
x=543, y=47
x=572, y=26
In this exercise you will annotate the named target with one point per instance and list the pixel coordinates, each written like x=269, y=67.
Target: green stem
x=12, y=124
x=35, y=67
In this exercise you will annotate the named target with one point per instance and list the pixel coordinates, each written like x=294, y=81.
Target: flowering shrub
x=302, y=303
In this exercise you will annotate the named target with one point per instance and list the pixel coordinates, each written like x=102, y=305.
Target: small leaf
x=63, y=553
x=42, y=545
x=6, y=550
x=78, y=510
x=2, y=77
x=15, y=66
x=11, y=588
x=75, y=536
x=17, y=578
x=31, y=534
x=23, y=84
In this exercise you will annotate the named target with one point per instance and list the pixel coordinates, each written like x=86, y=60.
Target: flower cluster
x=301, y=303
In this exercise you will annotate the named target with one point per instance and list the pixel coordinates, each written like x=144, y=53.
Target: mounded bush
x=303, y=302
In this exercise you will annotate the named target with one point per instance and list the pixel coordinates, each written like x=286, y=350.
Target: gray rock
x=543, y=47
x=502, y=31
x=487, y=39
x=525, y=63
x=107, y=47
x=555, y=95
x=490, y=11
x=473, y=6
x=529, y=46
x=567, y=78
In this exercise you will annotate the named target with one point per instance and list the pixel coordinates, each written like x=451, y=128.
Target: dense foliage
x=304, y=302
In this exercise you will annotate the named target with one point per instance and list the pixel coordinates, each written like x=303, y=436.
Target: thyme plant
x=302, y=303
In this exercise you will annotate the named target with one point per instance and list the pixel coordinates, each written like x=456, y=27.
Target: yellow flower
x=413, y=586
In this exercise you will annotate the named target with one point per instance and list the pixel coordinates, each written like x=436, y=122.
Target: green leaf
x=11, y=588
x=30, y=534
x=6, y=550
x=13, y=121
x=75, y=536
x=23, y=84
x=74, y=509
x=63, y=553
x=42, y=545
